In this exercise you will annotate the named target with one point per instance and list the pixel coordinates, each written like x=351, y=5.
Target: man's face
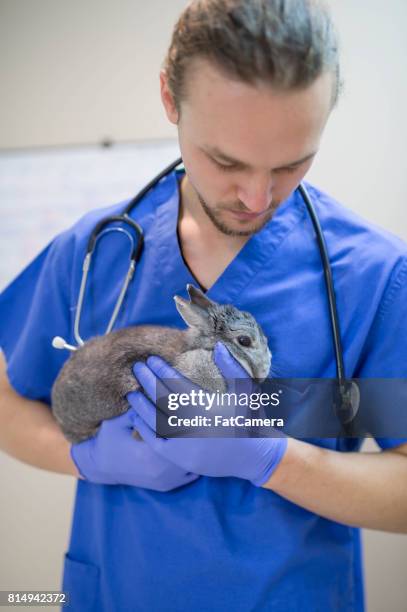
x=242, y=145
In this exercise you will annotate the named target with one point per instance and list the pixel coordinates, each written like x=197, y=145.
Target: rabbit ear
x=193, y=315
x=197, y=297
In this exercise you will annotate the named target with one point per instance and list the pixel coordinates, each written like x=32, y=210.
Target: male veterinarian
x=240, y=524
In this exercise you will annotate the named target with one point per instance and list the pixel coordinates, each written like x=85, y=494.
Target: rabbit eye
x=244, y=340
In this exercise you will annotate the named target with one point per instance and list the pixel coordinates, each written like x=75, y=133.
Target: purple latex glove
x=114, y=456
x=253, y=459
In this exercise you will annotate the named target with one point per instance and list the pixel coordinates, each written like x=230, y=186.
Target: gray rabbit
x=94, y=381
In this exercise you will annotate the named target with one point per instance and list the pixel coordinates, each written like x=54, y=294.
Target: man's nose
x=256, y=193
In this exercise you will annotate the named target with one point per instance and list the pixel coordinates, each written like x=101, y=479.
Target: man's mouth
x=248, y=216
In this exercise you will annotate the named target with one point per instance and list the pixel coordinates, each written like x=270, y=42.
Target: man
x=237, y=524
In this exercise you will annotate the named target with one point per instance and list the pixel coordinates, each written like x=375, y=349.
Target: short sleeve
x=34, y=308
x=385, y=352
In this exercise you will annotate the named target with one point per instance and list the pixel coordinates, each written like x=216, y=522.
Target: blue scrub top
x=219, y=543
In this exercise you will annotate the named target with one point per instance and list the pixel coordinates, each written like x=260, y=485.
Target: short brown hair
x=287, y=43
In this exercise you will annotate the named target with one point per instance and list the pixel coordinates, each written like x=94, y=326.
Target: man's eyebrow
x=231, y=160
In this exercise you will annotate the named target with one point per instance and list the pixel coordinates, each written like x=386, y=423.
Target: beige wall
x=80, y=71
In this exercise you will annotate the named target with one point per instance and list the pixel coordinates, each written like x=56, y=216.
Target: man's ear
x=167, y=98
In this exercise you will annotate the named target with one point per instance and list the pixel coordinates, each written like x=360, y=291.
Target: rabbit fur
x=93, y=383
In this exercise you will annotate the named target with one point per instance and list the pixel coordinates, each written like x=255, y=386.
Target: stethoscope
x=349, y=395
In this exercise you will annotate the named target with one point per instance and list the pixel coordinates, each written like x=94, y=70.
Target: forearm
x=29, y=432
x=358, y=489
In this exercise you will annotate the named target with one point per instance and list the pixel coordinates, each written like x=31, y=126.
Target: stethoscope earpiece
x=60, y=343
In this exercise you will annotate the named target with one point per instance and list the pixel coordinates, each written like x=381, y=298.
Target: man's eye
x=288, y=170
x=231, y=167
x=224, y=167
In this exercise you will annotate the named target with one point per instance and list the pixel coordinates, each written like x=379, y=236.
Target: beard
x=215, y=215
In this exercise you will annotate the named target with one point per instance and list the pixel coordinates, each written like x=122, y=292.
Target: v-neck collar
x=257, y=252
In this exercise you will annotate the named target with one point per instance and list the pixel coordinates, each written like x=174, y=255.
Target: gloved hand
x=254, y=459
x=114, y=456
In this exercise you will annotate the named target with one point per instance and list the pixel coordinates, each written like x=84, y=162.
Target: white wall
x=79, y=71
x=85, y=70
